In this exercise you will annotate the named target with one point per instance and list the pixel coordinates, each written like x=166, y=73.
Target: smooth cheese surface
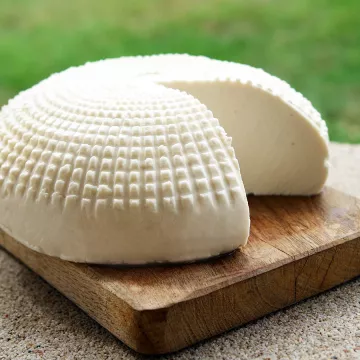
x=96, y=169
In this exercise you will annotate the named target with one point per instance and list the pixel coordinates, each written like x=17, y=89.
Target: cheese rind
x=94, y=170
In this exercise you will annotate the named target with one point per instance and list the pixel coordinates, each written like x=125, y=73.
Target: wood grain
x=299, y=247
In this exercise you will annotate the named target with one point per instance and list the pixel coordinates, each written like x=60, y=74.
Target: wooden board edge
x=269, y=267
x=171, y=329
x=77, y=283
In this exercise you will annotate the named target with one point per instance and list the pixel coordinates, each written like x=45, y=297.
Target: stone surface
x=36, y=322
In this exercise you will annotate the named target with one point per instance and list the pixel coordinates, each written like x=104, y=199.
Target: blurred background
x=312, y=44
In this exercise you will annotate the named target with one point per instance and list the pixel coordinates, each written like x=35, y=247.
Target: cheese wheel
x=97, y=169
x=130, y=160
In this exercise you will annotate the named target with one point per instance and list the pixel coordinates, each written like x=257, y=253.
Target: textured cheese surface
x=94, y=169
x=122, y=161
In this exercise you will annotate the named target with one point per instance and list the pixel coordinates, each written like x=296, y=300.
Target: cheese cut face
x=130, y=160
x=95, y=169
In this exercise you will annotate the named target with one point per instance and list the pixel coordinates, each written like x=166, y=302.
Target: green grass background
x=312, y=44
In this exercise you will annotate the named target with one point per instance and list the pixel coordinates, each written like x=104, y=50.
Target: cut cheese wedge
x=279, y=139
x=124, y=161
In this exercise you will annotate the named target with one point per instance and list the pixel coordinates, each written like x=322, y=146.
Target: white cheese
x=96, y=170
x=279, y=139
x=122, y=161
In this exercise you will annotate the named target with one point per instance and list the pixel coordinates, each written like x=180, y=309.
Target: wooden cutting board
x=298, y=247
